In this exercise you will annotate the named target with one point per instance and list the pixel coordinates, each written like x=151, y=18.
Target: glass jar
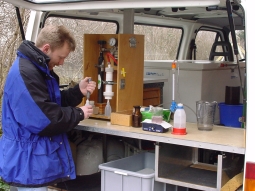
x=136, y=117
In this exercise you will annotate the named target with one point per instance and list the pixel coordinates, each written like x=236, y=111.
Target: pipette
x=173, y=104
x=88, y=94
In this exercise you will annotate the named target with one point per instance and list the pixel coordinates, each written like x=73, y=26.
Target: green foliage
x=3, y=186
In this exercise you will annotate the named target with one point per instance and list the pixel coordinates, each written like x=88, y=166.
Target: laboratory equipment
x=205, y=112
x=100, y=71
x=136, y=117
x=108, y=109
x=232, y=95
x=108, y=89
x=123, y=58
x=108, y=94
x=112, y=41
x=173, y=104
x=179, y=127
x=88, y=94
x=197, y=80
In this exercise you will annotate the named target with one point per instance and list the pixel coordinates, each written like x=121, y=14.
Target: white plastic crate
x=134, y=173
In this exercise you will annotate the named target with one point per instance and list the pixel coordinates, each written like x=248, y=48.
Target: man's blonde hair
x=55, y=36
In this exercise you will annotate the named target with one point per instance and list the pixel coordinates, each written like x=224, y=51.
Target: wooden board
x=234, y=183
x=204, y=166
x=122, y=118
x=132, y=60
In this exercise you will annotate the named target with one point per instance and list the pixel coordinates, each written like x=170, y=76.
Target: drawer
x=151, y=93
x=151, y=96
x=151, y=101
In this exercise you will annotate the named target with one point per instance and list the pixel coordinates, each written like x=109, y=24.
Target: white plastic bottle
x=108, y=109
x=179, y=127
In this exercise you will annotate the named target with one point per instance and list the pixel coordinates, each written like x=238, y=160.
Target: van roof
x=212, y=12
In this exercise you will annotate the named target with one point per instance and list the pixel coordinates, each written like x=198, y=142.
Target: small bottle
x=137, y=117
x=179, y=127
x=108, y=109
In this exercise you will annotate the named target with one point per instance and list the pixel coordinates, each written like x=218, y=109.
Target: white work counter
x=221, y=138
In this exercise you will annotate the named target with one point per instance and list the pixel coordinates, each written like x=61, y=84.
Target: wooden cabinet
x=128, y=73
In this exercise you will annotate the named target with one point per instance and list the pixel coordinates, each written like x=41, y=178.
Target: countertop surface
x=221, y=138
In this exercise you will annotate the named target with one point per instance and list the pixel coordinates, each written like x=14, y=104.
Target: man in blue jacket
x=34, y=149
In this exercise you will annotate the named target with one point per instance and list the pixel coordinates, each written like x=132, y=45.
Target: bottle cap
x=179, y=106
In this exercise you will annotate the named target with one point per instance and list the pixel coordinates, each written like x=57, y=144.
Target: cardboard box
x=122, y=118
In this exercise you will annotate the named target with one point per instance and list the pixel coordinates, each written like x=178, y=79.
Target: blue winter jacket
x=34, y=149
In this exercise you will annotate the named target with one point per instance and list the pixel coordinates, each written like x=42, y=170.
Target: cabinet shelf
x=177, y=165
x=190, y=174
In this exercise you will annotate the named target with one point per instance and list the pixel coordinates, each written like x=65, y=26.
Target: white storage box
x=134, y=173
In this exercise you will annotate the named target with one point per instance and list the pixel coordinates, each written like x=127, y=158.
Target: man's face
x=57, y=56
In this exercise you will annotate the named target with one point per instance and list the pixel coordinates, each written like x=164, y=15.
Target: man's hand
x=86, y=86
x=87, y=110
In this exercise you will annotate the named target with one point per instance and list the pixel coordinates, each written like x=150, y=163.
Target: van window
x=240, y=39
x=204, y=42
x=72, y=69
x=161, y=43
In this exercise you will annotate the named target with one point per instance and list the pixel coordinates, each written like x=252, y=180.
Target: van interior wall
x=196, y=81
x=201, y=80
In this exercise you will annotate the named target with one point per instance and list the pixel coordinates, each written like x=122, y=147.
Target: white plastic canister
x=179, y=127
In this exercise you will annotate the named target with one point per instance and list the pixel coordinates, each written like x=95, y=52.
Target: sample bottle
x=108, y=109
x=136, y=117
x=179, y=127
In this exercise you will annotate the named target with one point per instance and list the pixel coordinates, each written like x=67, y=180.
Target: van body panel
x=193, y=18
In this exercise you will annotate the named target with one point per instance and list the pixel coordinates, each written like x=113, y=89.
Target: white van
x=209, y=40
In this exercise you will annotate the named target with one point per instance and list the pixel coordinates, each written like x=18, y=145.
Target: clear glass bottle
x=137, y=117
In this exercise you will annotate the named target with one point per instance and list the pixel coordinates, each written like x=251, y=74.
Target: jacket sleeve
x=71, y=97
x=63, y=121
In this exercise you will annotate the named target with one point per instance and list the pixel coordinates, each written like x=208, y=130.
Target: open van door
x=57, y=5
x=208, y=12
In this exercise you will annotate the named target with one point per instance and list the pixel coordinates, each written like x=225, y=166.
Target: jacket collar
x=28, y=49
